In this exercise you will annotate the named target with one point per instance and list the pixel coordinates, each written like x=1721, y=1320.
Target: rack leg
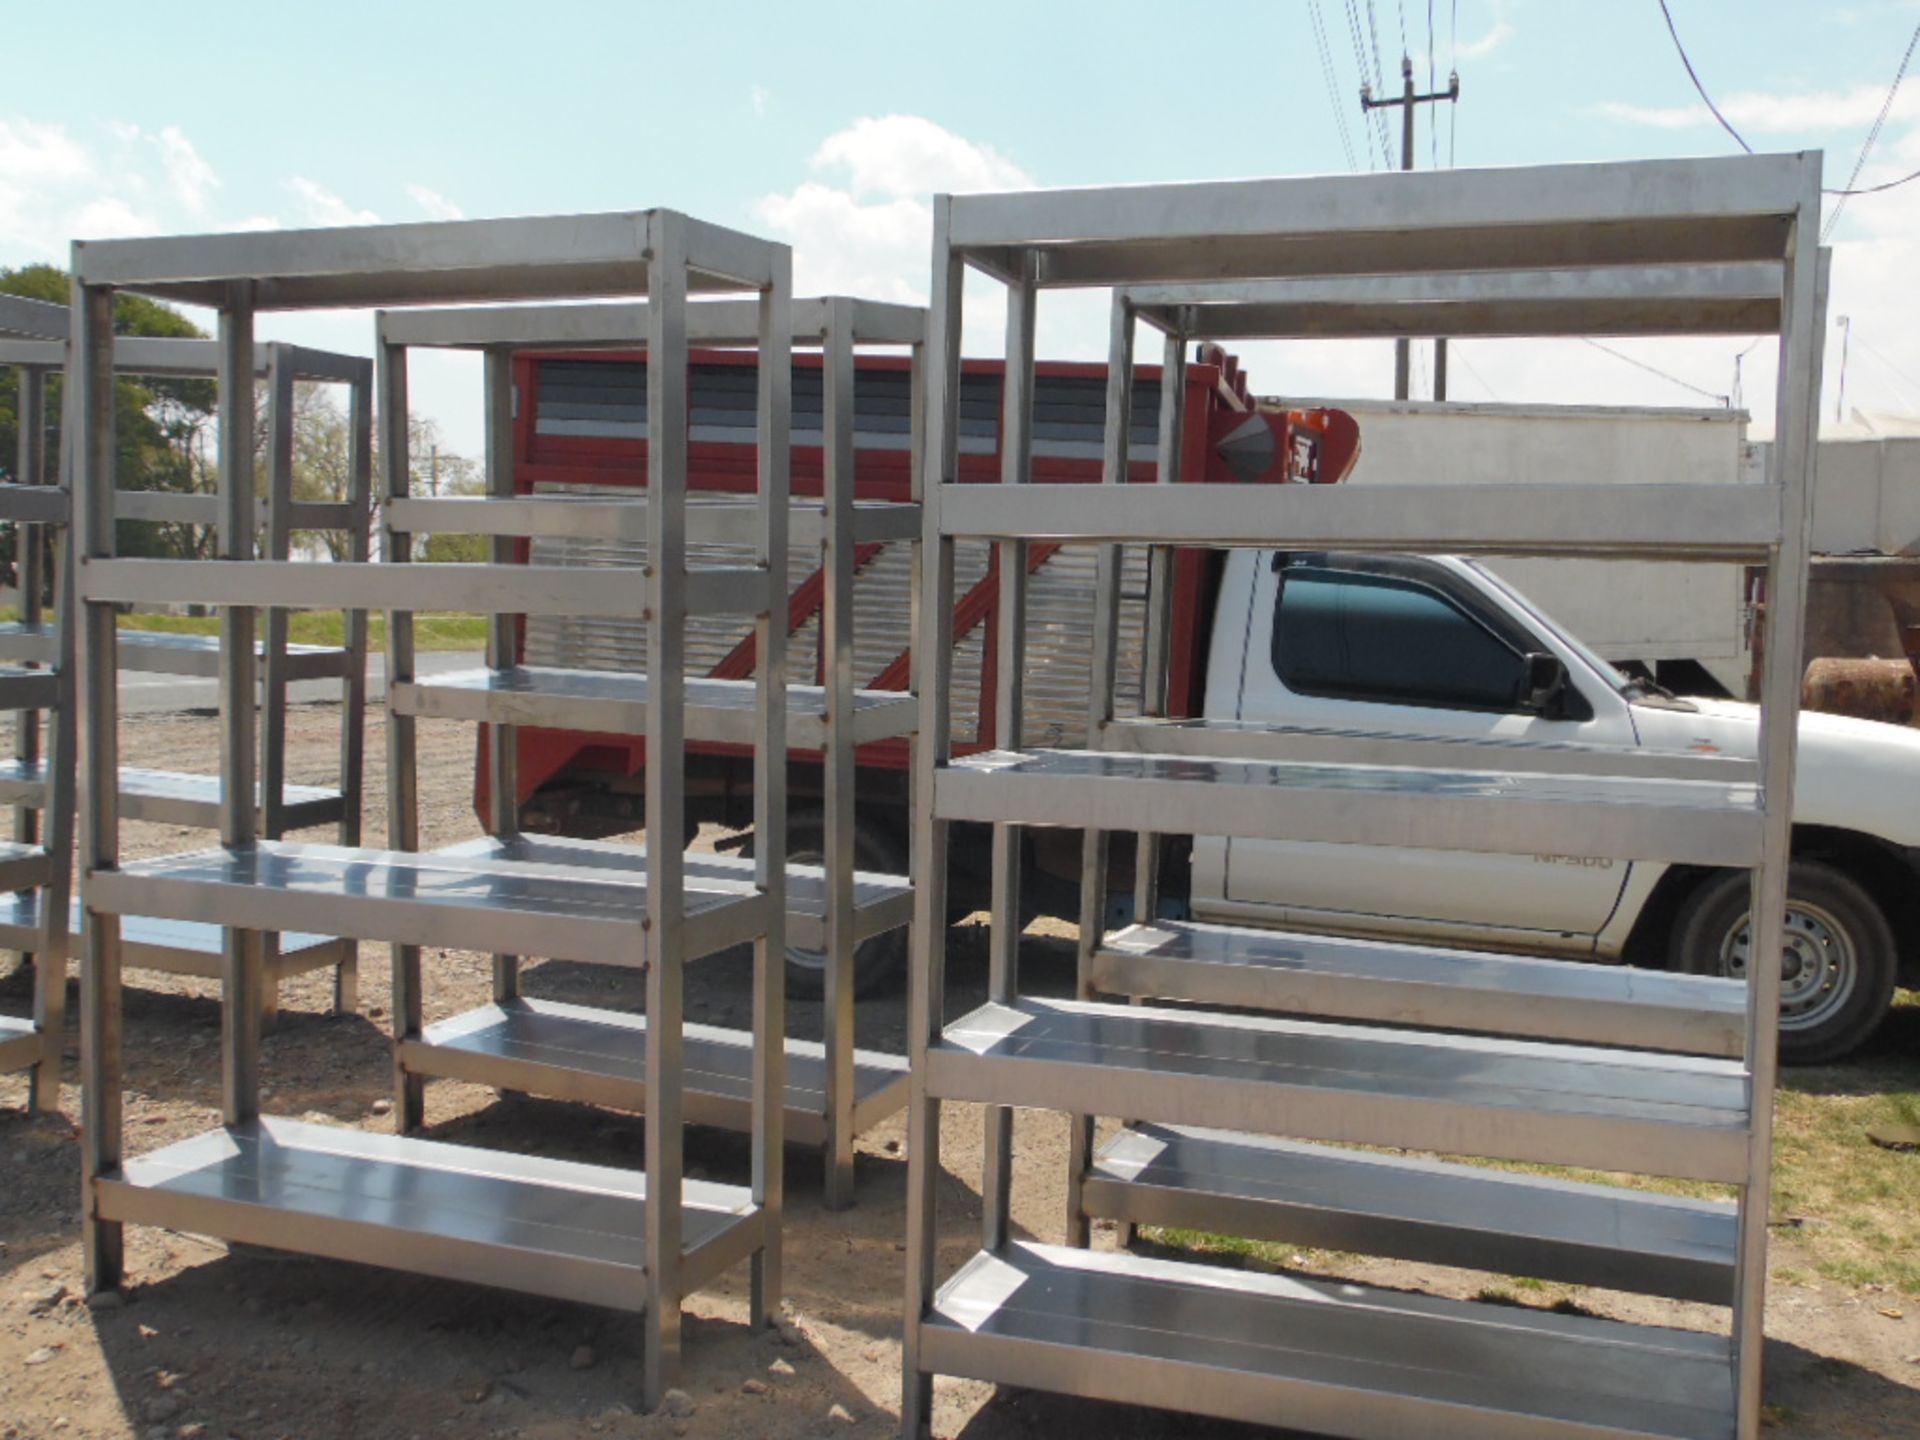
x=346, y=982
x=103, y=1242
x=409, y=1090
x=50, y=1019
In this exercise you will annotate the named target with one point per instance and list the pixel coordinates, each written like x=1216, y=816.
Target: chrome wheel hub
x=1818, y=966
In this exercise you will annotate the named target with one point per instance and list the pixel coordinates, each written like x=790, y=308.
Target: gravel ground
x=216, y=1342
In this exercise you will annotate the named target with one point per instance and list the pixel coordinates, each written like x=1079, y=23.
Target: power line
x=1908, y=379
x=1851, y=190
x=1377, y=131
x=1460, y=353
x=1433, y=131
x=1694, y=76
x=1655, y=370
x=1333, y=85
x=1873, y=135
x=1453, y=65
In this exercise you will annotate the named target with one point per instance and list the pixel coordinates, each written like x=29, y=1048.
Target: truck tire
x=1837, y=971
x=880, y=961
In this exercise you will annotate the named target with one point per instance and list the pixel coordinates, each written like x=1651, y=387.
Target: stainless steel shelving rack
x=583, y=1232
x=172, y=798
x=1341, y=1359
x=833, y=1090
x=37, y=864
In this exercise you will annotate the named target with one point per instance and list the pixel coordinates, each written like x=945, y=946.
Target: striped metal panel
x=607, y=400
x=1059, y=626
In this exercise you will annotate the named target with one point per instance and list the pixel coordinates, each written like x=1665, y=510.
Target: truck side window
x=1347, y=635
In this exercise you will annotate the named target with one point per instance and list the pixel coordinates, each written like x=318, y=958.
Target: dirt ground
x=215, y=1343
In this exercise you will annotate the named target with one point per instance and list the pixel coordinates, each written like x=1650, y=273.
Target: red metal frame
x=879, y=475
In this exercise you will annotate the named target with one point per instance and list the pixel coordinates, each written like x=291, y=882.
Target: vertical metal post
x=1803, y=323
x=273, y=752
x=1159, y=619
x=774, y=406
x=503, y=632
x=30, y=545
x=90, y=420
x=1100, y=682
x=353, y=688
x=1010, y=642
x=933, y=661
x=666, y=819
x=241, y=962
x=353, y=696
x=50, y=740
x=403, y=788
x=836, y=654
x=273, y=747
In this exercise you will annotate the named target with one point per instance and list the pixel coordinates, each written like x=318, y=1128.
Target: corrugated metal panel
x=1059, y=626
x=607, y=399
x=1060, y=643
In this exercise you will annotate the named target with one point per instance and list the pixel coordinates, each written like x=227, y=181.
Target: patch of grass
x=433, y=630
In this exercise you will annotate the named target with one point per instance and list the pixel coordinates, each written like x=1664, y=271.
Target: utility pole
x=1403, y=349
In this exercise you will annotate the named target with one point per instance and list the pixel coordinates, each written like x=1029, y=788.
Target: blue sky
x=827, y=123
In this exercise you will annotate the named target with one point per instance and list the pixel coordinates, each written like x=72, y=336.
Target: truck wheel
x=1837, y=968
x=880, y=961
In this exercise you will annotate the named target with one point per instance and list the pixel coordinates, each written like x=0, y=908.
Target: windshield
x=1625, y=684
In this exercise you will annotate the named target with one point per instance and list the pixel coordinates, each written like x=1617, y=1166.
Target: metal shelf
x=37, y=643
x=33, y=504
x=598, y=1057
x=1722, y=523
x=23, y=866
x=1424, y=986
x=880, y=902
x=457, y=902
x=21, y=1045
x=1245, y=740
x=615, y=703
x=1708, y=247
x=1428, y=1211
x=168, y=797
x=157, y=652
x=179, y=947
x=580, y=1232
x=1653, y=1114
x=582, y=517
x=831, y=906
x=544, y=1227
x=28, y=689
x=1682, y=821
x=1336, y=1359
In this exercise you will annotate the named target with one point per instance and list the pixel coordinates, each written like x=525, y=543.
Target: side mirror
x=1546, y=679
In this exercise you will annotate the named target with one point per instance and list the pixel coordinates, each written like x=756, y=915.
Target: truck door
x=1411, y=645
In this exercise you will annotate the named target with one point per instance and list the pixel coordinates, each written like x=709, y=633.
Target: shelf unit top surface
x=1338, y=1358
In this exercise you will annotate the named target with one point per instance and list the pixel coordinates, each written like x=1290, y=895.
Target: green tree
x=162, y=423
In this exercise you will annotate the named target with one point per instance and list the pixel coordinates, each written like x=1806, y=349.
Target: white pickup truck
x=1439, y=646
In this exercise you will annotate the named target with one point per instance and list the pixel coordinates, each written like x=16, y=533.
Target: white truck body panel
x=1626, y=610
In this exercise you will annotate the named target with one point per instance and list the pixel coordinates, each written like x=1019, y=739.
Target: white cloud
x=436, y=205
x=111, y=179
x=910, y=155
x=41, y=153
x=323, y=207
x=1479, y=49
x=761, y=99
x=109, y=217
x=190, y=175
